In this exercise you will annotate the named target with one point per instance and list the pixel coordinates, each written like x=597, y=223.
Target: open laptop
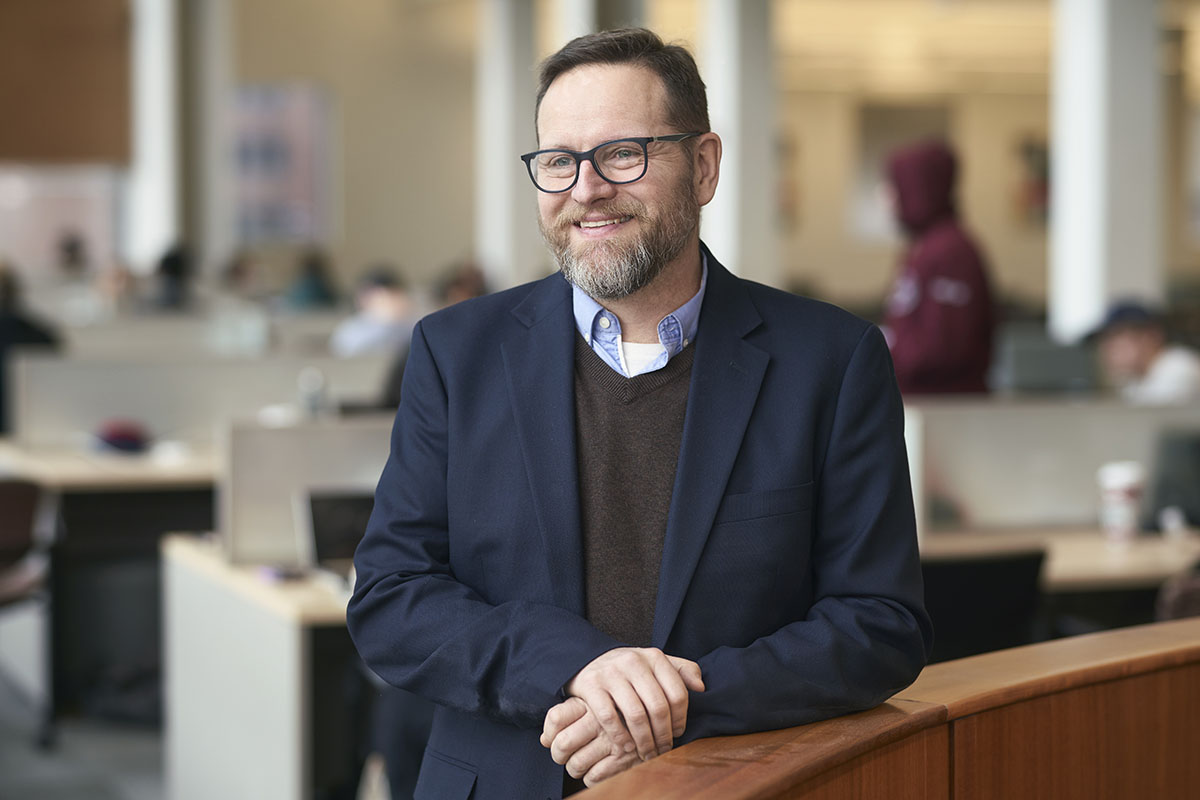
x=329, y=523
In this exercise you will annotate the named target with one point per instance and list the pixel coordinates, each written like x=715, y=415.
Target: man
x=18, y=329
x=939, y=317
x=1138, y=360
x=647, y=503
x=383, y=317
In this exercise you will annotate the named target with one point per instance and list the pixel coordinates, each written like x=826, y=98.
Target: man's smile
x=601, y=227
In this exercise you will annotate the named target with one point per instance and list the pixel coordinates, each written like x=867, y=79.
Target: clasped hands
x=627, y=705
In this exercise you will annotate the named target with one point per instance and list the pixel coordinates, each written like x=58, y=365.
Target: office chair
x=1176, y=481
x=985, y=602
x=24, y=564
x=18, y=510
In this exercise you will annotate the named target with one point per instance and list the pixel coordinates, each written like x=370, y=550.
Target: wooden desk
x=108, y=512
x=1078, y=559
x=245, y=658
x=67, y=469
x=1109, y=715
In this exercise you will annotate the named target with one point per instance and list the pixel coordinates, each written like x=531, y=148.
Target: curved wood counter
x=1110, y=715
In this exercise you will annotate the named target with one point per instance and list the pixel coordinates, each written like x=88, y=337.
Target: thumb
x=690, y=672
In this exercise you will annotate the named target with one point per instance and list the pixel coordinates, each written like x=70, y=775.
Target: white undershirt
x=639, y=355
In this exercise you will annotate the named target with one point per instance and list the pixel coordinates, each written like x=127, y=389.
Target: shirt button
x=686, y=342
x=604, y=323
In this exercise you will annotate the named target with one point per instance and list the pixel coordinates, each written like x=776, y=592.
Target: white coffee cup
x=1121, y=484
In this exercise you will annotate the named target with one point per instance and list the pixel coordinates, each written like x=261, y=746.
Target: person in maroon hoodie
x=939, y=316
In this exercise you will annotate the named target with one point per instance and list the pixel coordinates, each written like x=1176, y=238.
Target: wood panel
x=916, y=768
x=1130, y=738
x=65, y=80
x=978, y=683
x=872, y=751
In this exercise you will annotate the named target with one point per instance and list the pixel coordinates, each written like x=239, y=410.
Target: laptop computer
x=330, y=522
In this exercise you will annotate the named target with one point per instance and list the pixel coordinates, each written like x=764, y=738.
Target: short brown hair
x=687, y=102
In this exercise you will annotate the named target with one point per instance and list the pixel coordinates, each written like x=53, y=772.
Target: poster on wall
x=1032, y=196
x=282, y=146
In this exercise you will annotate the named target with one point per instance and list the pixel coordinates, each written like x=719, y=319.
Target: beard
x=614, y=268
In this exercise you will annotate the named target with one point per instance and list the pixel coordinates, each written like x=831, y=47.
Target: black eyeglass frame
x=590, y=155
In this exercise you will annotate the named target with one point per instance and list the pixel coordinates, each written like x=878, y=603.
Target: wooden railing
x=1110, y=715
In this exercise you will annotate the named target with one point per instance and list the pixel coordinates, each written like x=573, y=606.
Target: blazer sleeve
x=866, y=635
x=414, y=623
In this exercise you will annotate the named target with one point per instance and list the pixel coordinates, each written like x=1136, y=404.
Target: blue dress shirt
x=601, y=329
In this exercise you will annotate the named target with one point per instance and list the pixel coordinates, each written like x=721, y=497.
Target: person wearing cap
x=1138, y=359
x=939, y=317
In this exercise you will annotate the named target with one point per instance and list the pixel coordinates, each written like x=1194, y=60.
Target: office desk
x=245, y=657
x=1088, y=584
x=102, y=632
x=1077, y=559
x=74, y=469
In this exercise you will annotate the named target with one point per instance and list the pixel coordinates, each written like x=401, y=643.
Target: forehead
x=593, y=103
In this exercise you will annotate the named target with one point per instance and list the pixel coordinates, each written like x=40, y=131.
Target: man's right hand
x=639, y=695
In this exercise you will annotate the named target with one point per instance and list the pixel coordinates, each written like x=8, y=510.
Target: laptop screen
x=339, y=519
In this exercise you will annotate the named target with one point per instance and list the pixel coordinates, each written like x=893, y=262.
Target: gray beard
x=608, y=273
x=615, y=270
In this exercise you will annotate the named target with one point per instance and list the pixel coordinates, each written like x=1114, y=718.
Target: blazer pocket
x=770, y=503
x=444, y=778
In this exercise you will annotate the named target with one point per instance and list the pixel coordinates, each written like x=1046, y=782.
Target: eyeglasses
x=619, y=161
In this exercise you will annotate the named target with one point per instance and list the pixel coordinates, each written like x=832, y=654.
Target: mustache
x=575, y=214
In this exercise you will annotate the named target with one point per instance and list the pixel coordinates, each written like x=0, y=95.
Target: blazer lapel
x=539, y=361
x=726, y=376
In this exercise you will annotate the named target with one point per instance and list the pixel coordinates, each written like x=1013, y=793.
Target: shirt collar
x=588, y=313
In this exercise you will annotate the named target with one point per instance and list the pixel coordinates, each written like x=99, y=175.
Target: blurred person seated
x=1140, y=362
x=461, y=282
x=17, y=329
x=73, y=259
x=940, y=317
x=384, y=318
x=313, y=286
x=174, y=275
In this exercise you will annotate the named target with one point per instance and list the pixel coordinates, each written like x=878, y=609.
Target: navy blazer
x=789, y=571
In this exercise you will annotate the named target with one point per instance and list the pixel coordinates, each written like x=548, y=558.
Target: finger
x=607, y=767
x=689, y=671
x=588, y=756
x=647, y=713
x=574, y=737
x=608, y=717
x=676, y=693
x=658, y=705
x=560, y=716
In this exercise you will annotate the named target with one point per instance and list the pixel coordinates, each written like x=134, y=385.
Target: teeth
x=585, y=223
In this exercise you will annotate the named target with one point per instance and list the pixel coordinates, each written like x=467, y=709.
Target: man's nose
x=591, y=187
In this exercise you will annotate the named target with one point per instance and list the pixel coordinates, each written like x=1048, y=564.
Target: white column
x=739, y=224
x=211, y=28
x=1107, y=170
x=508, y=246
x=150, y=211
x=575, y=18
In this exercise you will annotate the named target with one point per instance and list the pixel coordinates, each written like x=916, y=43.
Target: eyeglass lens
x=618, y=162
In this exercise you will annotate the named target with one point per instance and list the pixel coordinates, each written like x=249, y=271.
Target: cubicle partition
x=1003, y=463
x=267, y=472
x=60, y=402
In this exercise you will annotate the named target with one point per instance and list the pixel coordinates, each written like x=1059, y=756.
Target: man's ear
x=706, y=167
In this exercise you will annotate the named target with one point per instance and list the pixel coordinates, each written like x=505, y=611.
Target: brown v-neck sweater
x=628, y=435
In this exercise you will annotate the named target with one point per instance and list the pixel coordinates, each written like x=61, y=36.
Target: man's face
x=1127, y=352
x=612, y=240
